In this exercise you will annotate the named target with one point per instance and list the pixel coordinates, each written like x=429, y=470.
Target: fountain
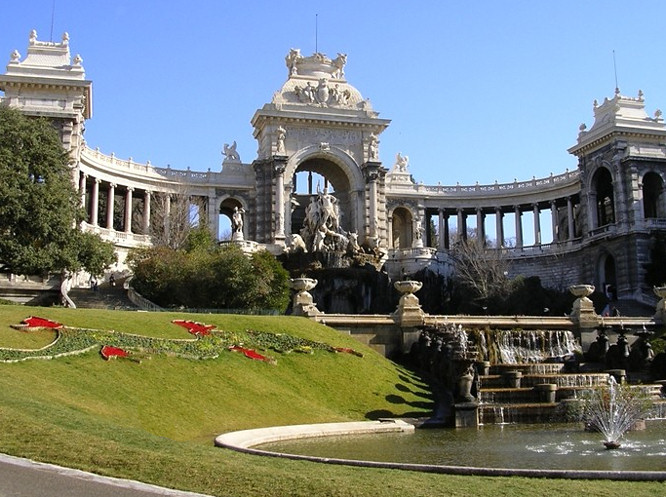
x=613, y=411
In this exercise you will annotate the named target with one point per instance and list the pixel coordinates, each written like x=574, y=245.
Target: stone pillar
x=110, y=204
x=592, y=211
x=537, y=224
x=583, y=314
x=519, y=227
x=167, y=215
x=302, y=303
x=462, y=226
x=128, y=210
x=289, y=189
x=82, y=188
x=442, y=243
x=570, y=219
x=499, y=227
x=146, y=212
x=480, y=227
x=447, y=237
x=409, y=312
x=94, y=202
x=371, y=172
x=279, y=200
x=554, y=220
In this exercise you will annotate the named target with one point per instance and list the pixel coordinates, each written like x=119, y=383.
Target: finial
x=595, y=104
x=15, y=57
x=65, y=38
x=78, y=60
x=657, y=114
x=582, y=127
x=617, y=91
x=640, y=95
x=33, y=36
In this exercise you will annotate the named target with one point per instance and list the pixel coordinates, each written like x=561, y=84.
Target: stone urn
x=409, y=312
x=303, y=303
x=581, y=291
x=583, y=308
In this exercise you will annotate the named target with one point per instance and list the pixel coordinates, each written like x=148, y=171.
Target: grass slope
x=155, y=421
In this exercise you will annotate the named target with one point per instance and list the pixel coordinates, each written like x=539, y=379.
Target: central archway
x=335, y=172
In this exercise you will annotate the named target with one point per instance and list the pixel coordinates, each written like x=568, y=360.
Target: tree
x=39, y=207
x=174, y=215
x=210, y=276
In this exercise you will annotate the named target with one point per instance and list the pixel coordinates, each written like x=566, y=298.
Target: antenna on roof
x=316, y=33
x=617, y=88
x=52, y=18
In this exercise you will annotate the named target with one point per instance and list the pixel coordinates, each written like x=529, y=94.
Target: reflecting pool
x=557, y=446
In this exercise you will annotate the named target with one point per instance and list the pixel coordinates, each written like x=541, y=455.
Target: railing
x=118, y=237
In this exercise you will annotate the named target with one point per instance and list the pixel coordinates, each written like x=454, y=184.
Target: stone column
x=499, y=227
x=289, y=189
x=537, y=224
x=94, y=202
x=167, y=215
x=442, y=243
x=146, y=212
x=447, y=236
x=554, y=220
x=128, y=210
x=110, y=204
x=570, y=218
x=371, y=172
x=82, y=188
x=279, y=167
x=462, y=226
x=480, y=227
x=519, y=227
x=592, y=211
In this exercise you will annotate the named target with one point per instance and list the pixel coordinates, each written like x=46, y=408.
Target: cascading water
x=527, y=346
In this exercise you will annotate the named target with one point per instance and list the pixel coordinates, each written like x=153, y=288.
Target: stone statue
x=401, y=163
x=322, y=91
x=321, y=229
x=279, y=146
x=230, y=154
x=339, y=64
x=291, y=58
x=296, y=244
x=373, y=147
x=237, y=223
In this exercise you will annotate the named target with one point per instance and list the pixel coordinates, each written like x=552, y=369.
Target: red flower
x=249, y=353
x=35, y=322
x=195, y=328
x=109, y=352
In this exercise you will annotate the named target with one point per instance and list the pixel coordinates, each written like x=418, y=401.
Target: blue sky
x=476, y=90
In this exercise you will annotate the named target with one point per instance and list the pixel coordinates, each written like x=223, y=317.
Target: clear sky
x=476, y=90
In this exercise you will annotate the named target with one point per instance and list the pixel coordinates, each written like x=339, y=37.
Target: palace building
x=318, y=182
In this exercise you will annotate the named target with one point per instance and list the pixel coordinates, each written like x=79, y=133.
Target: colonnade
x=562, y=212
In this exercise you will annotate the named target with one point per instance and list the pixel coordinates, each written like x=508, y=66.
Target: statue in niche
x=237, y=223
x=281, y=135
x=230, y=153
x=373, y=147
x=292, y=57
x=339, y=64
x=321, y=229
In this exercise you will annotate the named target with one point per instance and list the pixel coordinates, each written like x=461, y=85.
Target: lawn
x=155, y=419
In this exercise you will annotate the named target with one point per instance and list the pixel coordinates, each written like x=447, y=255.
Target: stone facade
x=604, y=215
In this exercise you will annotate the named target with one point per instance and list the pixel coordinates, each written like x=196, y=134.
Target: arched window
x=602, y=184
x=653, y=189
x=402, y=228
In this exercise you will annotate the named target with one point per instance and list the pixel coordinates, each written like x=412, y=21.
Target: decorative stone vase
x=407, y=286
x=409, y=312
x=581, y=291
x=303, y=303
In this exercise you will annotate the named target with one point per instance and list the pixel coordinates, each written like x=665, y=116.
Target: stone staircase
x=105, y=297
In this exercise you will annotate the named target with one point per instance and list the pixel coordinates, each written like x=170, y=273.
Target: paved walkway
x=26, y=478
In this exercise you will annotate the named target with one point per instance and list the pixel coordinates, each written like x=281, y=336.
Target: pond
x=557, y=446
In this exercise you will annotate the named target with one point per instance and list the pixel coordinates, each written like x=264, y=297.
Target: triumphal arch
x=321, y=183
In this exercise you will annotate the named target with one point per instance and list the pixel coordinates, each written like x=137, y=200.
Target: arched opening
x=653, y=189
x=602, y=185
x=318, y=175
x=401, y=237
x=607, y=276
x=224, y=222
